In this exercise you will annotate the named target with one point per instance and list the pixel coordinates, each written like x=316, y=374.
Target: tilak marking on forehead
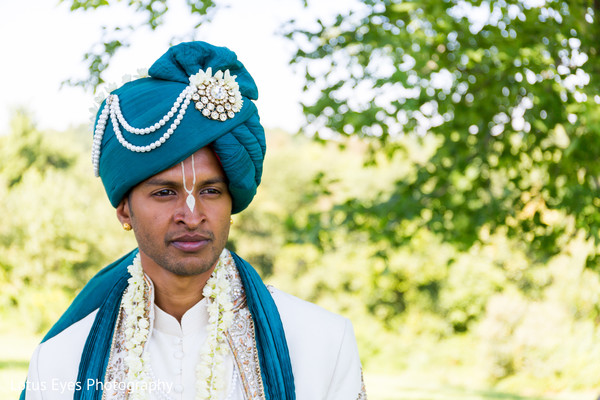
x=191, y=200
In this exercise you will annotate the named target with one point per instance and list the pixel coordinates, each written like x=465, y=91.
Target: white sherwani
x=322, y=349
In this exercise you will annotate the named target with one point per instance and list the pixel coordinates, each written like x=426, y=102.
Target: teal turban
x=238, y=140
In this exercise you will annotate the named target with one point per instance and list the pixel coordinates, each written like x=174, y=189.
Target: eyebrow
x=171, y=183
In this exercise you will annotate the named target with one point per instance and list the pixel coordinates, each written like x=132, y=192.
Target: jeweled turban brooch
x=218, y=97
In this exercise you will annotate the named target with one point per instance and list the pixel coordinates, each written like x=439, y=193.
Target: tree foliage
x=55, y=231
x=483, y=315
x=115, y=37
x=507, y=91
x=503, y=93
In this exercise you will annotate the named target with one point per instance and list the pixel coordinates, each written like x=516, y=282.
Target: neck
x=175, y=294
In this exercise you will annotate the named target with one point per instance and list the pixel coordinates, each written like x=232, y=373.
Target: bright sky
x=43, y=44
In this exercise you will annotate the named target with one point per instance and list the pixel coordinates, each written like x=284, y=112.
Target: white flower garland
x=136, y=328
x=210, y=369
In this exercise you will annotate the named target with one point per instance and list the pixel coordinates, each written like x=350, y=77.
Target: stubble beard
x=200, y=266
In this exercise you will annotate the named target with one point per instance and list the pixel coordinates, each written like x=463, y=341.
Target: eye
x=163, y=193
x=210, y=191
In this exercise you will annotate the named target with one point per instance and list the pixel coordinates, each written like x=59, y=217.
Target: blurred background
x=432, y=174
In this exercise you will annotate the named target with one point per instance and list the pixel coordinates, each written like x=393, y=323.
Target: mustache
x=189, y=236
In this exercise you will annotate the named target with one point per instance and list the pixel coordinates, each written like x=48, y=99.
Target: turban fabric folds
x=239, y=142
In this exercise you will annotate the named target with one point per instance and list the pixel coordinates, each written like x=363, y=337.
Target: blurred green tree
x=503, y=93
x=506, y=92
x=115, y=37
x=56, y=230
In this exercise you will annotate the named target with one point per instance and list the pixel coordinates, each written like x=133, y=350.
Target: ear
x=124, y=211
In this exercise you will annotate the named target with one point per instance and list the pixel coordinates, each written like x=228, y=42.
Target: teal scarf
x=104, y=292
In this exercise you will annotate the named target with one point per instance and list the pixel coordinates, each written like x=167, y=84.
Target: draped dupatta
x=104, y=292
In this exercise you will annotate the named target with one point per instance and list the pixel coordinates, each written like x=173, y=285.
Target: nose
x=189, y=212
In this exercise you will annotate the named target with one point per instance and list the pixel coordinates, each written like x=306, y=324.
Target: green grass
x=393, y=387
x=390, y=387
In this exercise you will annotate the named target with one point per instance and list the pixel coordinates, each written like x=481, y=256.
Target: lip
x=190, y=243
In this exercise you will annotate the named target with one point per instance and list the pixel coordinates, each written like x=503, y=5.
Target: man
x=181, y=317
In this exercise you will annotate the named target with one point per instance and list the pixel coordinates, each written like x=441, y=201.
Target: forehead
x=205, y=163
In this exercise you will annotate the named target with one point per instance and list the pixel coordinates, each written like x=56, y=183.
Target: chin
x=185, y=270
x=184, y=263
x=191, y=267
